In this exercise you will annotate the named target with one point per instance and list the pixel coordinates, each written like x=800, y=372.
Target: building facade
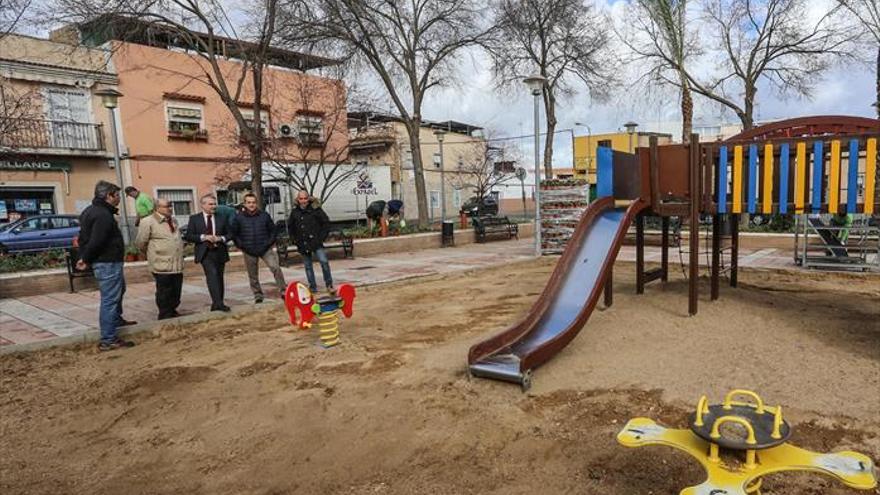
x=55, y=139
x=585, y=148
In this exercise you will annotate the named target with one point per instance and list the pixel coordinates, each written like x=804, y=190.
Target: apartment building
x=381, y=139
x=585, y=148
x=179, y=139
x=54, y=131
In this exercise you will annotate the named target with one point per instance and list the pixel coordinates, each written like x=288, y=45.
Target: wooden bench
x=337, y=240
x=71, y=255
x=494, y=226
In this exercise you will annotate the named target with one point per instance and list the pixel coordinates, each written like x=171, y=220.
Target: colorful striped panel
x=818, y=165
x=800, y=179
x=767, y=194
x=783, y=178
x=737, y=179
x=752, y=193
x=852, y=176
x=834, y=178
x=722, y=180
x=870, y=175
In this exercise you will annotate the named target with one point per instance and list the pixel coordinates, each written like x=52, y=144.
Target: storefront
x=21, y=199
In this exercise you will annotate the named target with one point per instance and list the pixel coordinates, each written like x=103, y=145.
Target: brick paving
x=61, y=316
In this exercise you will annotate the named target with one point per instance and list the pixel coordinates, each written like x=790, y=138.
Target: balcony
x=377, y=136
x=52, y=137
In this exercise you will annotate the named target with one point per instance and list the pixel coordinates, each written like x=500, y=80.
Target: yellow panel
x=834, y=178
x=767, y=199
x=800, y=181
x=737, y=179
x=870, y=175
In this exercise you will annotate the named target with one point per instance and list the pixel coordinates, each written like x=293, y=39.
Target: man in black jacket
x=101, y=247
x=254, y=233
x=308, y=227
x=209, y=232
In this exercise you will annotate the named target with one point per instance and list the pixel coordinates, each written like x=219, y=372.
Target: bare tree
x=663, y=40
x=11, y=14
x=482, y=169
x=409, y=45
x=562, y=40
x=203, y=28
x=867, y=12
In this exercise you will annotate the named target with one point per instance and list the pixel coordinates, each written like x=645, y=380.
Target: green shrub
x=53, y=258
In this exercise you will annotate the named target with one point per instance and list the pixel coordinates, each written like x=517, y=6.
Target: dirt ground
x=246, y=405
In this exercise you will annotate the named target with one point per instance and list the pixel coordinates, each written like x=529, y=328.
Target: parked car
x=39, y=233
x=473, y=207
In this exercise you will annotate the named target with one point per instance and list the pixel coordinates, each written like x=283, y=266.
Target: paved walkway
x=64, y=317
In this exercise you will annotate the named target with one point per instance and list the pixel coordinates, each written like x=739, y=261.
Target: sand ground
x=246, y=405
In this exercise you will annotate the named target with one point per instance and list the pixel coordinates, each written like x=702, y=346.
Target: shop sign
x=35, y=165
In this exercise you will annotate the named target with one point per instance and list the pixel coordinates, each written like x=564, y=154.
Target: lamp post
x=440, y=133
x=631, y=130
x=589, y=142
x=109, y=98
x=535, y=84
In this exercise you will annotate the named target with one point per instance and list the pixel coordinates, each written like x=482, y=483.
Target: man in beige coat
x=159, y=236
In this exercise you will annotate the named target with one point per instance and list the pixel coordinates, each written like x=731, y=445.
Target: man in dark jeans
x=209, y=233
x=253, y=231
x=101, y=247
x=308, y=227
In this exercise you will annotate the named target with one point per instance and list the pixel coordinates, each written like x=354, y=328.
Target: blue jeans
x=111, y=283
x=310, y=271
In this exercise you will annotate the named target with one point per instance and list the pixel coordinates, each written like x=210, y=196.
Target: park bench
x=70, y=257
x=337, y=239
x=494, y=226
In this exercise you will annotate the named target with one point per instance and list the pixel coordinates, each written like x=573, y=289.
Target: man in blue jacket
x=253, y=232
x=308, y=227
x=101, y=247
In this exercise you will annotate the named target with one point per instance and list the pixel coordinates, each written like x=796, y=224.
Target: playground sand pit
x=246, y=405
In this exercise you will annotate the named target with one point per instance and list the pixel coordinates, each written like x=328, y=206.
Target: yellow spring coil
x=328, y=326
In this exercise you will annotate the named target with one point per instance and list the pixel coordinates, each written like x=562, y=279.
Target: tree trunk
x=878, y=85
x=256, y=150
x=413, y=126
x=747, y=116
x=687, y=111
x=550, y=113
x=256, y=145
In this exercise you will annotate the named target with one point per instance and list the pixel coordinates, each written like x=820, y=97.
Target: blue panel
x=852, y=178
x=783, y=178
x=752, y=193
x=818, y=162
x=722, y=180
x=605, y=171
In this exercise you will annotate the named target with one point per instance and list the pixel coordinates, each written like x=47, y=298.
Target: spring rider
x=299, y=299
x=758, y=430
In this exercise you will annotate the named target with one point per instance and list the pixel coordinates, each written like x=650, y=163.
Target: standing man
x=159, y=236
x=253, y=231
x=143, y=204
x=308, y=227
x=101, y=247
x=209, y=233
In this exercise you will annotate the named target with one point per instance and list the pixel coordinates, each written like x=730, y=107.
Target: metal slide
x=566, y=302
x=835, y=248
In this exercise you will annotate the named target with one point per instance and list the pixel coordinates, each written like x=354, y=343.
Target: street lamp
x=589, y=142
x=631, y=130
x=109, y=98
x=440, y=133
x=535, y=83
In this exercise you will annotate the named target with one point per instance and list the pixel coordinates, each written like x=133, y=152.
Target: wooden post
x=734, y=249
x=664, y=249
x=608, y=292
x=694, y=164
x=640, y=253
x=716, y=254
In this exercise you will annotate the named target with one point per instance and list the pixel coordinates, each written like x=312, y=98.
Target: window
x=249, y=120
x=456, y=198
x=68, y=109
x=435, y=199
x=437, y=160
x=184, y=120
x=181, y=200
x=310, y=129
x=604, y=143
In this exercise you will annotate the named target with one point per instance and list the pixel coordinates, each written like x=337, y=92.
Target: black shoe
x=116, y=344
x=223, y=308
x=175, y=314
x=331, y=289
x=126, y=323
x=258, y=299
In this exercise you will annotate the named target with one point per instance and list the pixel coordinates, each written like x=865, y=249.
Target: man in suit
x=209, y=232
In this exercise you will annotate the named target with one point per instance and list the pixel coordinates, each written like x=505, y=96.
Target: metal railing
x=51, y=134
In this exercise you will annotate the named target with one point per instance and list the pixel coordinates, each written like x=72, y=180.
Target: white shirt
x=213, y=226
